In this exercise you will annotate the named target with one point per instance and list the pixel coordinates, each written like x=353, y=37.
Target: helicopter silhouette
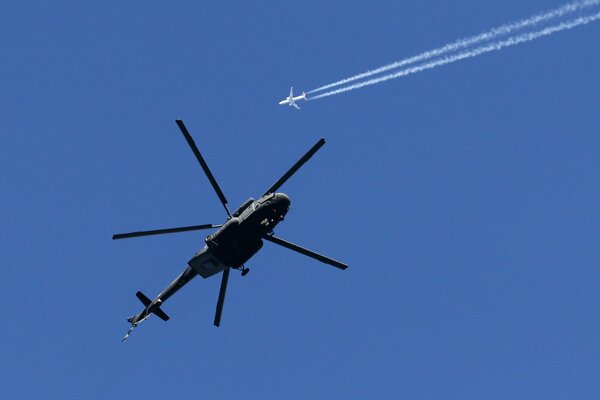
x=234, y=242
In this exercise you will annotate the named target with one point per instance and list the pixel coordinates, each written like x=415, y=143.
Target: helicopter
x=233, y=243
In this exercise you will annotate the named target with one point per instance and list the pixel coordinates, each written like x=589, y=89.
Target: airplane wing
x=291, y=92
x=296, y=105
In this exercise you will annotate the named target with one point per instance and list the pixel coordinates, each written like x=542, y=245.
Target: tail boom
x=153, y=306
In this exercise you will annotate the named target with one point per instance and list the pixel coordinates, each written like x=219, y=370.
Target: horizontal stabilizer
x=145, y=301
x=153, y=308
x=160, y=313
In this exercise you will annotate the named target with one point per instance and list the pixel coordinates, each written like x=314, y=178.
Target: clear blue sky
x=465, y=200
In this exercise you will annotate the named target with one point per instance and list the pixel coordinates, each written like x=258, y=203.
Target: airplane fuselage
x=291, y=100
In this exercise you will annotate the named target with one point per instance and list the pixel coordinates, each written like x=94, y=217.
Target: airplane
x=233, y=243
x=291, y=100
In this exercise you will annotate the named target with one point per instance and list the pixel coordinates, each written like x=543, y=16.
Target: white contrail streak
x=502, y=30
x=514, y=40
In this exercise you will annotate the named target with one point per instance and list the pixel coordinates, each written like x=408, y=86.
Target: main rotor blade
x=203, y=164
x=163, y=231
x=296, y=166
x=306, y=252
x=221, y=300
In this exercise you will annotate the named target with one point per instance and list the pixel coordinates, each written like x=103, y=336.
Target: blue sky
x=465, y=200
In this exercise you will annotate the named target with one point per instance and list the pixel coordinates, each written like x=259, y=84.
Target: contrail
x=502, y=30
x=514, y=40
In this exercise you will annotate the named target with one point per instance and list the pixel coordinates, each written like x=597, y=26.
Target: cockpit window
x=267, y=199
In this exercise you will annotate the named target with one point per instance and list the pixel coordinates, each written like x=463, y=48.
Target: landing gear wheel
x=245, y=271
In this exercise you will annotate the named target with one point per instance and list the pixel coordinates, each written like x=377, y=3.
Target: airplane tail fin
x=304, y=95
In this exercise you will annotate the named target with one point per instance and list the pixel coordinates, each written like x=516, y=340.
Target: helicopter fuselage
x=234, y=243
x=240, y=237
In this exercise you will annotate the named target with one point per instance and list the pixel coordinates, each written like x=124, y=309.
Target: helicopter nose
x=283, y=200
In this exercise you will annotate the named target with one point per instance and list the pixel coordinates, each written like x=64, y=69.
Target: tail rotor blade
x=203, y=164
x=221, y=300
x=296, y=166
